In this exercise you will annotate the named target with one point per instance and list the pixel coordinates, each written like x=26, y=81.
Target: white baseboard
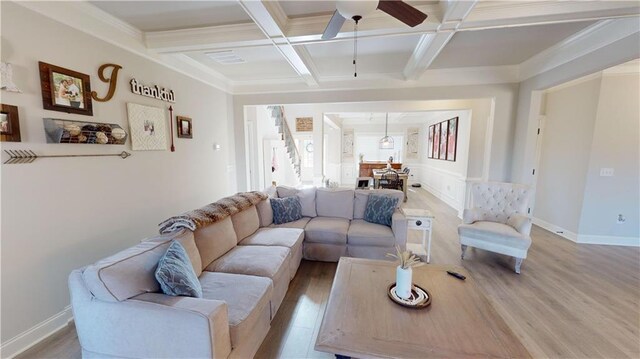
x=36, y=334
x=609, y=240
x=555, y=229
x=586, y=238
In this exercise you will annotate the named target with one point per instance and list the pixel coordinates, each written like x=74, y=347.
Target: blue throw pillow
x=380, y=209
x=286, y=209
x=175, y=273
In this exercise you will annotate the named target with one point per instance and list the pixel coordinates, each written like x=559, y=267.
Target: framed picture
x=436, y=140
x=184, y=127
x=452, y=139
x=9, y=124
x=443, y=141
x=147, y=127
x=430, y=142
x=65, y=90
x=304, y=124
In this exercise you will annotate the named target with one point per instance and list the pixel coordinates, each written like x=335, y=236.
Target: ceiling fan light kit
x=356, y=10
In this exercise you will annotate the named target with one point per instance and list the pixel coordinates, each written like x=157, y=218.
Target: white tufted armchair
x=498, y=221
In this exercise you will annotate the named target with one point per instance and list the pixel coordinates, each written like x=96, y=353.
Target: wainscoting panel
x=447, y=186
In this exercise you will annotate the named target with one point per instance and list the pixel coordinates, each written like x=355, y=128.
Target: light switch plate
x=606, y=172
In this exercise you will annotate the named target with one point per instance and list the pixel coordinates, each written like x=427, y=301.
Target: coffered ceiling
x=254, y=46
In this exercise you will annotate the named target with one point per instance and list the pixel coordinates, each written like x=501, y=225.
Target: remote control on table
x=457, y=275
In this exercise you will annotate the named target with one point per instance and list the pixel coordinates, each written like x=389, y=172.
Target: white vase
x=403, y=282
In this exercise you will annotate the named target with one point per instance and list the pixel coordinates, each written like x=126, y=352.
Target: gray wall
x=523, y=157
x=61, y=214
x=564, y=160
x=615, y=145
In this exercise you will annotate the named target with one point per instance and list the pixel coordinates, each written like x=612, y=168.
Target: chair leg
x=518, y=264
x=464, y=248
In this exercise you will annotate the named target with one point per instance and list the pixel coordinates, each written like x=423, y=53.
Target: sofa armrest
x=152, y=325
x=399, y=228
x=520, y=223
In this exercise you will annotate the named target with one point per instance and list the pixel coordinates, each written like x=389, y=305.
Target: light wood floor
x=571, y=301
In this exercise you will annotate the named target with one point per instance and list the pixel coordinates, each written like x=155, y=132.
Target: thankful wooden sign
x=152, y=91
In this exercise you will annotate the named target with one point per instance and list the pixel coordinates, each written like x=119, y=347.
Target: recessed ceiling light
x=227, y=57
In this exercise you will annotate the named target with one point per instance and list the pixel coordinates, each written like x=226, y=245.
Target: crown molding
x=580, y=44
x=526, y=13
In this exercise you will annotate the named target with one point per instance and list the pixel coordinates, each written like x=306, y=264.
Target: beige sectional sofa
x=244, y=264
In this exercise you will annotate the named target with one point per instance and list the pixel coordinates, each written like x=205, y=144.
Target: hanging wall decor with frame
x=65, y=90
x=147, y=127
x=9, y=124
x=442, y=141
x=185, y=128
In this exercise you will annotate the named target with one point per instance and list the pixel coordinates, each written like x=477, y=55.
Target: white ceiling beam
x=428, y=48
x=271, y=19
x=579, y=44
x=491, y=15
x=308, y=30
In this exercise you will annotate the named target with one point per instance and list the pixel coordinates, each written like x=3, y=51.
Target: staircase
x=277, y=112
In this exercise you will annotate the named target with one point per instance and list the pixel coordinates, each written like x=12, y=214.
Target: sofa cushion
x=284, y=237
x=132, y=271
x=362, y=196
x=189, y=244
x=262, y=261
x=175, y=273
x=498, y=233
x=272, y=262
x=379, y=209
x=245, y=223
x=215, y=240
x=286, y=210
x=364, y=233
x=247, y=298
x=307, y=198
x=335, y=202
x=265, y=212
x=327, y=230
x=300, y=224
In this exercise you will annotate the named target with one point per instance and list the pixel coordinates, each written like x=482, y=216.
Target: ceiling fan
x=356, y=10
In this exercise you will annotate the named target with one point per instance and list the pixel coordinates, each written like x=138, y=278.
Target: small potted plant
x=404, y=272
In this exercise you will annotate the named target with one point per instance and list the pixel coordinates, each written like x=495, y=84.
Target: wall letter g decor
x=112, y=80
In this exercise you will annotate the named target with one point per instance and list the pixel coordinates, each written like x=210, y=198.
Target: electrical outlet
x=621, y=219
x=606, y=172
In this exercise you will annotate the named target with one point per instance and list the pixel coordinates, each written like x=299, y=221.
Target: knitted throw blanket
x=212, y=212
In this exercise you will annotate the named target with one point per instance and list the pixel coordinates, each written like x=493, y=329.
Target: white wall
x=498, y=100
x=447, y=180
x=616, y=145
x=566, y=146
x=62, y=214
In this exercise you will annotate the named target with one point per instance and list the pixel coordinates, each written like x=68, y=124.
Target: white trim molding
x=36, y=334
x=587, y=238
x=609, y=240
x=562, y=232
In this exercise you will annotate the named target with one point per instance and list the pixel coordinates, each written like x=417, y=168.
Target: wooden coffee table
x=361, y=321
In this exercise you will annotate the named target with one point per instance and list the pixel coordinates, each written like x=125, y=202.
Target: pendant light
x=386, y=142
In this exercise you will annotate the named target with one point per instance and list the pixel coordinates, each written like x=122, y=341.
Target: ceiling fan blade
x=402, y=11
x=334, y=26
